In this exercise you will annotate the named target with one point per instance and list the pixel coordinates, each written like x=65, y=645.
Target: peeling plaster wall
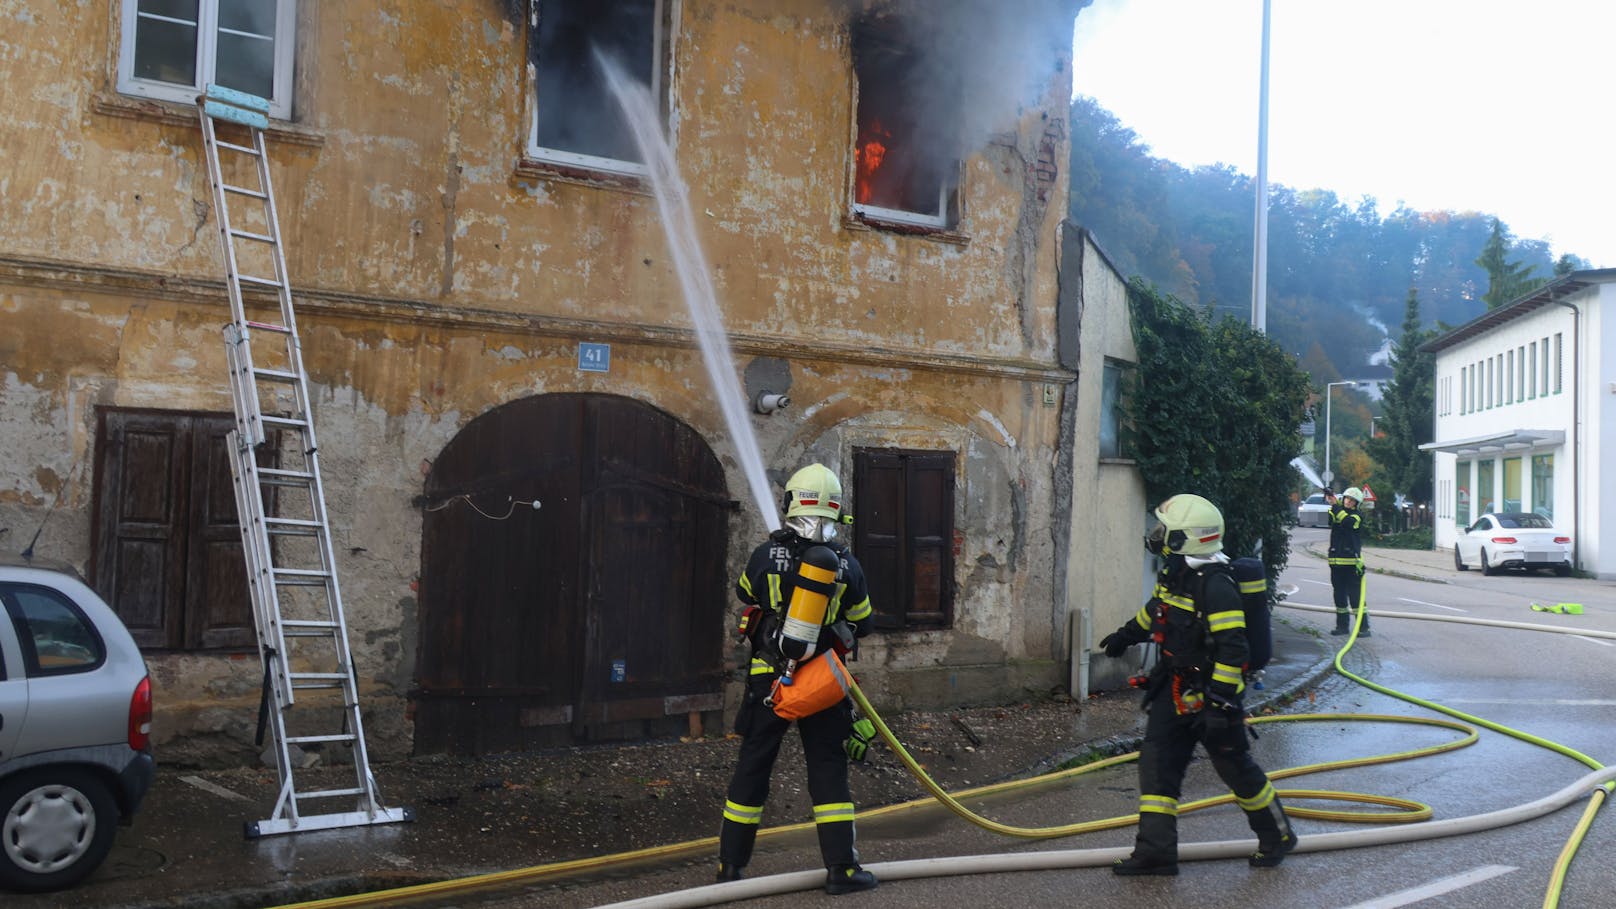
x=439, y=277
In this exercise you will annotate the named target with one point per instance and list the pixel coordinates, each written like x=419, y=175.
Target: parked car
x=1513, y=539
x=1313, y=512
x=75, y=727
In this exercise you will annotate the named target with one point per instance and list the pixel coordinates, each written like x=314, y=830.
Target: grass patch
x=1415, y=538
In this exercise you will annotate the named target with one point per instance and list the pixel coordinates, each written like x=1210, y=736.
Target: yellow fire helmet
x=814, y=491
x=1187, y=525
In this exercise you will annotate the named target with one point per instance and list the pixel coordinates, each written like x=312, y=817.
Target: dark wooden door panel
x=571, y=622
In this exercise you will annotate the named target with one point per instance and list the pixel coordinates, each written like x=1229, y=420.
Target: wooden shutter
x=903, y=534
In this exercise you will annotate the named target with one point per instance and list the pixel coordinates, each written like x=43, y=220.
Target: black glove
x=1224, y=727
x=1115, y=644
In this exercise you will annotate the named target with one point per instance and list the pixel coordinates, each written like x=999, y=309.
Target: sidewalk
x=482, y=815
x=1433, y=565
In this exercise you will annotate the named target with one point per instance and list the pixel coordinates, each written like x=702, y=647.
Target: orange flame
x=868, y=156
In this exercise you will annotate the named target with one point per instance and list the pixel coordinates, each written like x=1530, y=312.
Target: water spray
x=1308, y=474
x=679, y=225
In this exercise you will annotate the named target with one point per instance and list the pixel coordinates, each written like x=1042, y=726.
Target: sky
x=1507, y=108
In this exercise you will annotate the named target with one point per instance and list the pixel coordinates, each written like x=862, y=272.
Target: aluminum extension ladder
x=285, y=534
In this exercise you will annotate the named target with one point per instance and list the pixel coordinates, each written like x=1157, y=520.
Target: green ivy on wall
x=1214, y=409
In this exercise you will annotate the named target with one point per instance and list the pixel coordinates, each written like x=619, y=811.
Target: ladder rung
x=310, y=739
x=307, y=628
x=261, y=282
x=270, y=476
x=300, y=576
x=239, y=148
x=318, y=679
x=286, y=422
x=244, y=191
x=301, y=526
x=326, y=793
x=249, y=235
x=269, y=326
x=277, y=375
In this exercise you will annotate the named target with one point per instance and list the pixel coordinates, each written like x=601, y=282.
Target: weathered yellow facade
x=440, y=273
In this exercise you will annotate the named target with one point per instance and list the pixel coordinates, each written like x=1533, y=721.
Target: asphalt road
x=1553, y=686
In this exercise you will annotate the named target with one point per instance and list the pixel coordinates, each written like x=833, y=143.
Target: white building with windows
x=1525, y=404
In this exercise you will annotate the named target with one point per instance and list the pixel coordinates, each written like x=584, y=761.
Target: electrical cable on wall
x=466, y=497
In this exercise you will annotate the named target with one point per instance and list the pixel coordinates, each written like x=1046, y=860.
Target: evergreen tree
x=1506, y=280
x=1408, y=409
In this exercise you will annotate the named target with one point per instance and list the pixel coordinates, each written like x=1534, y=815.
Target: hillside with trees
x=1339, y=272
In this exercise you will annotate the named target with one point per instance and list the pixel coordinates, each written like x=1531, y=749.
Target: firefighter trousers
x=823, y=736
x=1346, y=583
x=1170, y=741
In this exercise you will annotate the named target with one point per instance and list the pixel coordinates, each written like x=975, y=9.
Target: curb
x=1390, y=572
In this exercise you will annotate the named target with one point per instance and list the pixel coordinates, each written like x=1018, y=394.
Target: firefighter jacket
x=1346, y=548
x=1198, y=619
x=768, y=582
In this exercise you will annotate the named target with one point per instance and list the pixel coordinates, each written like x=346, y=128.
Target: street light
x=1329, y=476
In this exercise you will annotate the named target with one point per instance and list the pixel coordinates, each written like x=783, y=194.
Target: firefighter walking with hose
x=1196, y=690
x=805, y=602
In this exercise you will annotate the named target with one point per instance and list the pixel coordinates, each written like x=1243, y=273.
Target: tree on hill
x=1506, y=280
x=1407, y=403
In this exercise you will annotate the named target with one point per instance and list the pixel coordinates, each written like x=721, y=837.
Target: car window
x=55, y=635
x=1534, y=522
x=1315, y=500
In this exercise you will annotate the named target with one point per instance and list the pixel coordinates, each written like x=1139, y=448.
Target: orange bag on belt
x=818, y=684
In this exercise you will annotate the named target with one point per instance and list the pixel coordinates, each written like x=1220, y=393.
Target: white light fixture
x=768, y=402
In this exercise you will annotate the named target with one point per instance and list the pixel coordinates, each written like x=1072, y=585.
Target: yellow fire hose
x=1404, y=811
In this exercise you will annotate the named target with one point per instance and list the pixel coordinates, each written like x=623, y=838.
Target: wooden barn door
x=597, y=616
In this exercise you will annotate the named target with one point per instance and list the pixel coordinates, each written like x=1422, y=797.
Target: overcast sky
x=1484, y=105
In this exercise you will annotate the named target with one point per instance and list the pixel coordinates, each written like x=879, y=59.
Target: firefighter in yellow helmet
x=1195, y=692
x=1346, y=559
x=813, y=506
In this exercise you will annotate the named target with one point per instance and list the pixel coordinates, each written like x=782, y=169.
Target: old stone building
x=490, y=317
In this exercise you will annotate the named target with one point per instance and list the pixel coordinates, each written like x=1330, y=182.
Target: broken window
x=172, y=49
x=575, y=117
x=904, y=535
x=906, y=165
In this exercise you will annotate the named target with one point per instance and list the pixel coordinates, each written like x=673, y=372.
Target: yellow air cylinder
x=805, y=615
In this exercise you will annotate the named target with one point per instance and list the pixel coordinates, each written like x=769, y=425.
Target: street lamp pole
x=1329, y=476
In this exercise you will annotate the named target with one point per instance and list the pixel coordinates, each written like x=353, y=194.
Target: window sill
x=173, y=114
x=857, y=221
x=540, y=169
x=1120, y=462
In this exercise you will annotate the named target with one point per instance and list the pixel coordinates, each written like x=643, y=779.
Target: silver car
x=75, y=727
x=1313, y=512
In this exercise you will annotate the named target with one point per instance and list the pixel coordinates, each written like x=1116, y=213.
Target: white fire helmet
x=1353, y=493
x=814, y=503
x=1186, y=525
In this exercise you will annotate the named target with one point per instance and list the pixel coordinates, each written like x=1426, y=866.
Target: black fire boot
x=1155, y=847
x=841, y=879
x=1343, y=623
x=1275, y=838
x=1137, y=865
x=728, y=872
x=1270, y=854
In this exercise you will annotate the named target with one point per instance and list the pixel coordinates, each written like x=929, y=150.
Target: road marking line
x=214, y=788
x=1594, y=641
x=1435, y=605
x=1311, y=581
x=1435, y=888
x=1535, y=702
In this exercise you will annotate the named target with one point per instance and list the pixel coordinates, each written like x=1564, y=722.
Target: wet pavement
x=187, y=847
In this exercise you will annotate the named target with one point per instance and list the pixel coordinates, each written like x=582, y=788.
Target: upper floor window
x=172, y=49
x=906, y=168
x=575, y=120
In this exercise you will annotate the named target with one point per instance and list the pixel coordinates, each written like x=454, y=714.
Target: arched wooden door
x=597, y=616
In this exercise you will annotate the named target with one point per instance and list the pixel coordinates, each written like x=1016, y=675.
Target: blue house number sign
x=594, y=357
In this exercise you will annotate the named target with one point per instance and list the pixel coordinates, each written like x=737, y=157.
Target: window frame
x=28, y=641
x=1113, y=383
x=662, y=32
x=949, y=212
x=280, y=105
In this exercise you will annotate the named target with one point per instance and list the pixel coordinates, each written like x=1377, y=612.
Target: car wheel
x=57, y=827
x=1485, y=568
x=1458, y=562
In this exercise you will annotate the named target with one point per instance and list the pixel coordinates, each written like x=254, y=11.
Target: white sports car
x=1512, y=539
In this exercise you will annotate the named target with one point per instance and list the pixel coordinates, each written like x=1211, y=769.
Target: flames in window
x=870, y=152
